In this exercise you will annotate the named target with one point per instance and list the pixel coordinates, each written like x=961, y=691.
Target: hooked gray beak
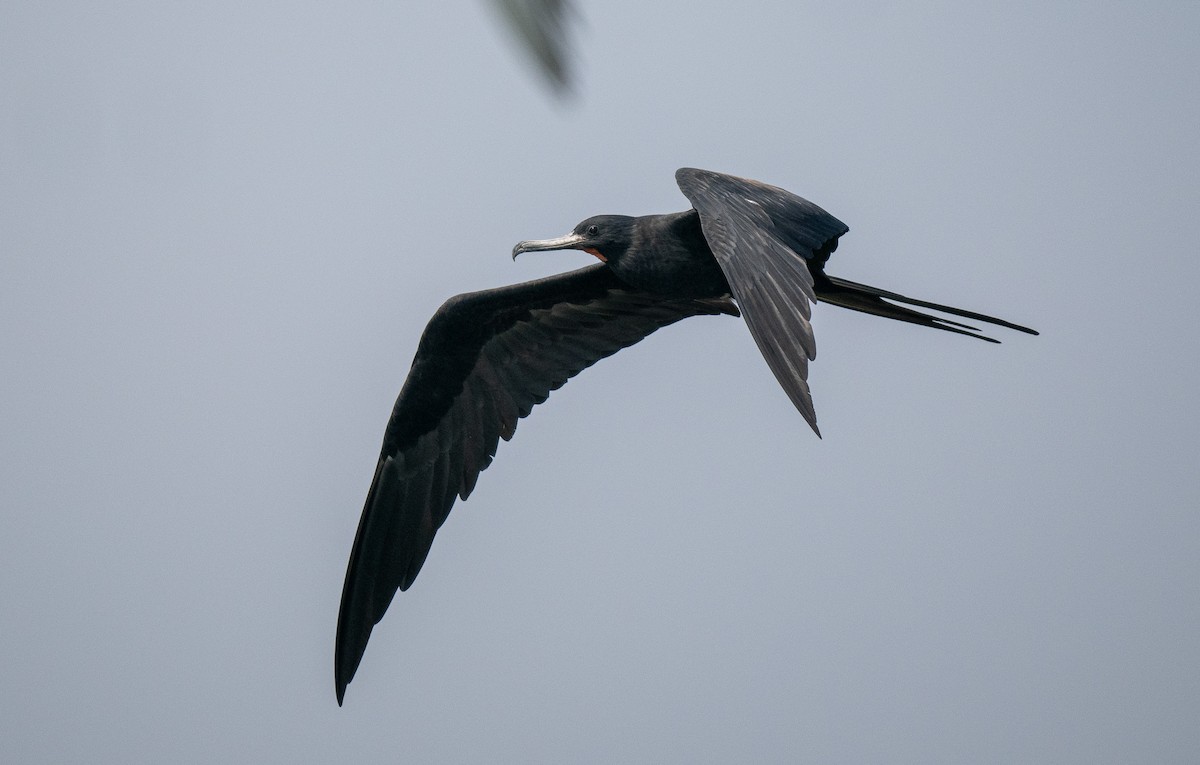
x=571, y=241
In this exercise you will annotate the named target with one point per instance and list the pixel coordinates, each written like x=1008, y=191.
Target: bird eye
x=593, y=229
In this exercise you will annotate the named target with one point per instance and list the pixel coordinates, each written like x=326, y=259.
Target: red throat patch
x=595, y=252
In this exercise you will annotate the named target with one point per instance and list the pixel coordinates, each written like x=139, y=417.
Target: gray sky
x=224, y=225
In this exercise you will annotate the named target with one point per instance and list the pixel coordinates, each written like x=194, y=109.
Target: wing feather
x=484, y=361
x=763, y=238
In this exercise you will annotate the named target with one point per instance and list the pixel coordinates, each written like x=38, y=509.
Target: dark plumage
x=486, y=358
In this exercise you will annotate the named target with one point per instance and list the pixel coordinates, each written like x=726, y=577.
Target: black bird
x=486, y=358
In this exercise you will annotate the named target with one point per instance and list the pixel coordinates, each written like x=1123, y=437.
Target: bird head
x=605, y=236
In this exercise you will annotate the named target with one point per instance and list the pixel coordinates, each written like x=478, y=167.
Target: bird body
x=669, y=255
x=487, y=358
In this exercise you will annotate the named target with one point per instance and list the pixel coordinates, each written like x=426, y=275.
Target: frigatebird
x=486, y=358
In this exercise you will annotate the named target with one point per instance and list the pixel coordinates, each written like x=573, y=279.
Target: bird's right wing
x=484, y=361
x=762, y=237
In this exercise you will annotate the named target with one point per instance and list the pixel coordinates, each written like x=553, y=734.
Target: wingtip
x=683, y=174
x=341, y=693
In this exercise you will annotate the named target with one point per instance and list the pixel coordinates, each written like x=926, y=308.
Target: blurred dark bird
x=486, y=358
x=542, y=28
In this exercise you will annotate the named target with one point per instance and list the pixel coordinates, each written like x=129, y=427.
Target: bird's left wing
x=763, y=238
x=484, y=361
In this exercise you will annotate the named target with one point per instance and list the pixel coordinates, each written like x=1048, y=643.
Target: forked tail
x=872, y=300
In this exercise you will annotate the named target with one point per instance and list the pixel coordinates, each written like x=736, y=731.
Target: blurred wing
x=543, y=27
x=763, y=238
x=484, y=361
